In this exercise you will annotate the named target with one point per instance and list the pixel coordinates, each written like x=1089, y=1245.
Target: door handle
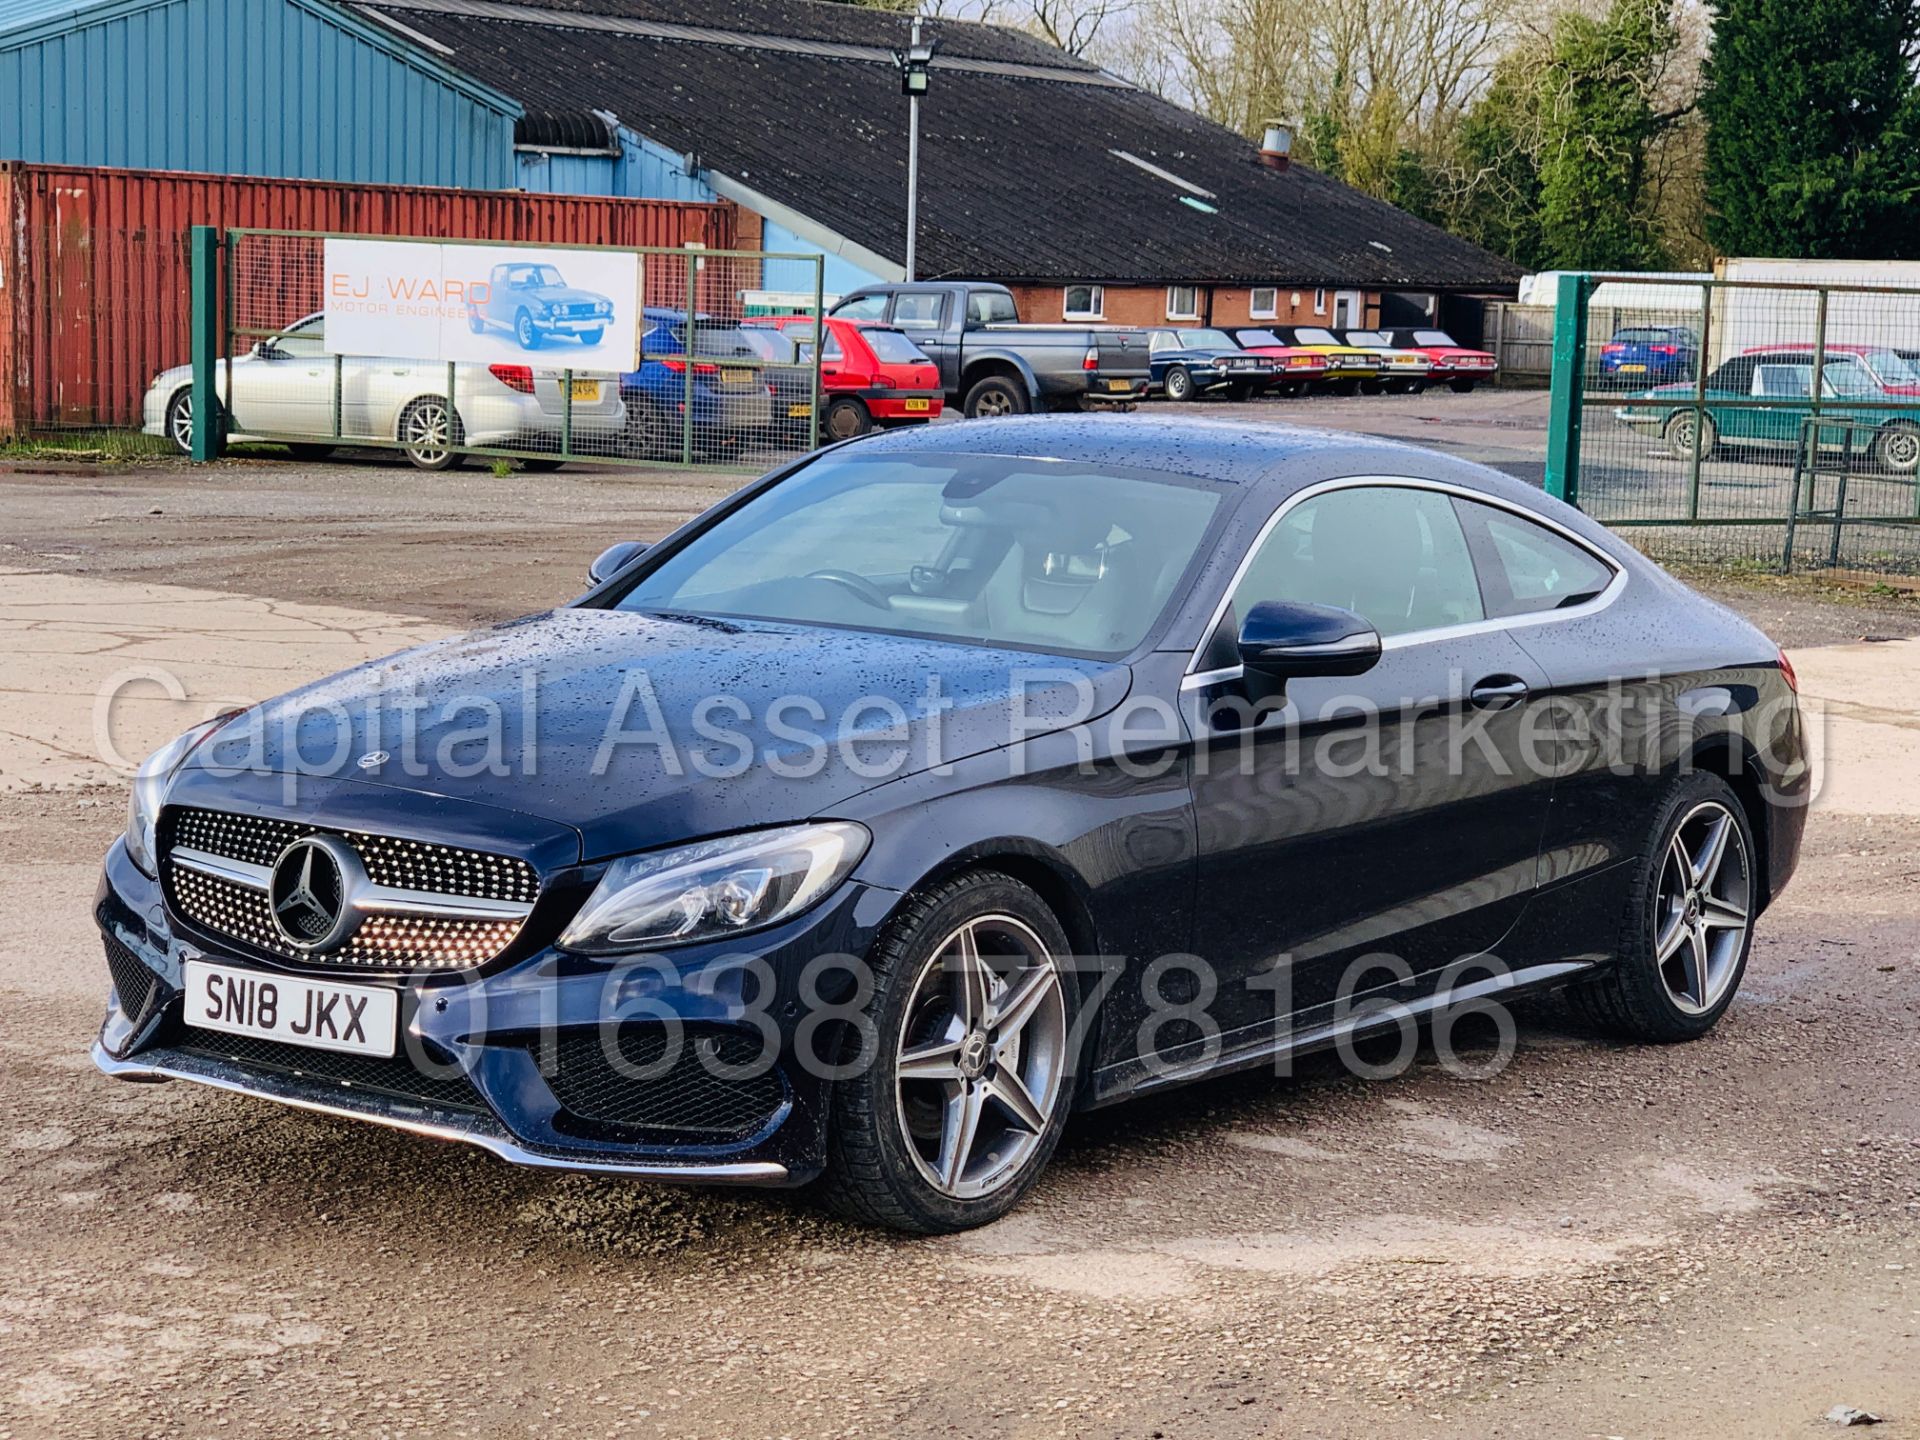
x=1499, y=692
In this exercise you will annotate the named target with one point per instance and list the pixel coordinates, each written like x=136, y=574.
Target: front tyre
x=970, y=1067
x=180, y=421
x=1689, y=921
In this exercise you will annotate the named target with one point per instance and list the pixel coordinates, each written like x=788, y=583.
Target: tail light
x=514, y=377
x=1664, y=349
x=1612, y=349
x=1786, y=673
x=1092, y=360
x=700, y=367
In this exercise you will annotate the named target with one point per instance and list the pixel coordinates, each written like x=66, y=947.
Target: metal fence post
x=687, y=347
x=1566, y=398
x=1700, y=419
x=209, y=424
x=819, y=344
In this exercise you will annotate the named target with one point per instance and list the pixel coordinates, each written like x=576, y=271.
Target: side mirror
x=267, y=350
x=612, y=560
x=1283, y=640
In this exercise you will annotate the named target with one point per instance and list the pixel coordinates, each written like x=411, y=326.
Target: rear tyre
x=475, y=323
x=541, y=467
x=648, y=431
x=1240, y=390
x=1689, y=921
x=1685, y=431
x=1899, y=447
x=996, y=395
x=1462, y=387
x=1179, y=383
x=846, y=418
x=310, y=454
x=969, y=1076
x=429, y=429
x=1373, y=387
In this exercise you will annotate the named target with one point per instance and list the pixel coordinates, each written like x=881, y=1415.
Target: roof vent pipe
x=1276, y=146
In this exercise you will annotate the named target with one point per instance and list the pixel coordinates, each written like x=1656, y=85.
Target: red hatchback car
x=1459, y=367
x=869, y=375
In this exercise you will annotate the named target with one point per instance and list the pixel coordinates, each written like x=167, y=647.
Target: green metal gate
x=1759, y=421
x=716, y=385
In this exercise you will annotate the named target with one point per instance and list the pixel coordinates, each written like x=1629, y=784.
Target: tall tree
x=1812, y=123
x=1598, y=126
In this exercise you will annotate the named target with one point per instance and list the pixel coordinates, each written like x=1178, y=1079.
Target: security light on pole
x=915, y=61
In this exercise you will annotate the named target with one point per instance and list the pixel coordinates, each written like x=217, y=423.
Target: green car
x=1777, y=388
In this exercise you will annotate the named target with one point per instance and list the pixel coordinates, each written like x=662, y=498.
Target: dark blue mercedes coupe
x=948, y=781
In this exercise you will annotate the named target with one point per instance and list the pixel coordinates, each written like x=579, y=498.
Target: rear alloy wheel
x=1899, y=447
x=846, y=418
x=180, y=421
x=995, y=396
x=970, y=1072
x=1179, y=383
x=650, y=435
x=1689, y=922
x=1684, y=431
x=429, y=431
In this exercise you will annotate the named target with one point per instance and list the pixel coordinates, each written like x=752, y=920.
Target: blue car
x=1190, y=363
x=1646, y=354
x=723, y=889
x=534, y=304
x=731, y=396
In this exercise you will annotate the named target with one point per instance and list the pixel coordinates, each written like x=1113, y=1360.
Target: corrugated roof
x=20, y=14
x=1024, y=175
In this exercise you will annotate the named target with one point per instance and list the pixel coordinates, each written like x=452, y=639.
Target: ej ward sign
x=416, y=300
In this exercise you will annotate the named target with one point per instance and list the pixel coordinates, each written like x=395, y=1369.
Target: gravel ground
x=1715, y=1239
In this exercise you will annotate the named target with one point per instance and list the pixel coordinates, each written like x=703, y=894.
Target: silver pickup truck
x=991, y=364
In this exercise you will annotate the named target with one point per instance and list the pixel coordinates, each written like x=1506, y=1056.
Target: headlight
x=714, y=889
x=149, y=790
x=605, y=307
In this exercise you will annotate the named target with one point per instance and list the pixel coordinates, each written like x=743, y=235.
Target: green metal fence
x=1758, y=421
x=714, y=386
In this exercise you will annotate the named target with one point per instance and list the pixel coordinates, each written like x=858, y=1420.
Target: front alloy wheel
x=969, y=1069
x=180, y=421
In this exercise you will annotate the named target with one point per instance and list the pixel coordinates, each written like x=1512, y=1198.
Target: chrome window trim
x=1195, y=679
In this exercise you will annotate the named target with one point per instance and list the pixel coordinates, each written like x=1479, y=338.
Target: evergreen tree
x=1812, y=127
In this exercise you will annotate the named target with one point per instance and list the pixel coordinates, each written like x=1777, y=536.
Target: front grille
x=678, y=1102
x=132, y=981
x=243, y=913
x=397, y=1077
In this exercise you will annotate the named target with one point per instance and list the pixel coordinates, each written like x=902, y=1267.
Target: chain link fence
x=1753, y=422
x=716, y=384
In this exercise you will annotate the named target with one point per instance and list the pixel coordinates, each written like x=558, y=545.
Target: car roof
x=1282, y=457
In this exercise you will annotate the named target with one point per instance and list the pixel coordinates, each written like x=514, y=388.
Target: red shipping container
x=95, y=286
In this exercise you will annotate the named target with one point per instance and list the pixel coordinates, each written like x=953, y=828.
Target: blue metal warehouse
x=296, y=88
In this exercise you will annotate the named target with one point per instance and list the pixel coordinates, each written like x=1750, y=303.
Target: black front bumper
x=518, y=1061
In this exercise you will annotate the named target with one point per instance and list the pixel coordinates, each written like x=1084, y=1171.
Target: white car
x=284, y=390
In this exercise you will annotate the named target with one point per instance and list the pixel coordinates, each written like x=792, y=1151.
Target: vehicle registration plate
x=359, y=1019
x=799, y=412
x=915, y=406
x=1634, y=369
x=736, y=377
x=1119, y=385
x=588, y=390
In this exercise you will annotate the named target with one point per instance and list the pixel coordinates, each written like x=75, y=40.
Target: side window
x=1526, y=568
x=308, y=338
x=918, y=312
x=990, y=307
x=862, y=307
x=1392, y=554
x=1790, y=382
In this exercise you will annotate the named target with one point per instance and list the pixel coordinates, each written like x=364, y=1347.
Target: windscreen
x=985, y=550
x=1316, y=337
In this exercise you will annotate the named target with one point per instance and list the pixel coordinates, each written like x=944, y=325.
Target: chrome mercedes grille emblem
x=373, y=759
x=312, y=891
